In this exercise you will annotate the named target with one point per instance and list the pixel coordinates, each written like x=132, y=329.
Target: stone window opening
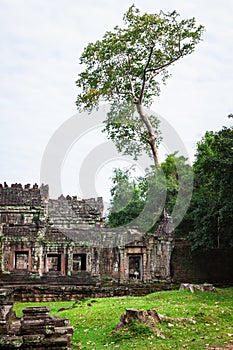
x=135, y=267
x=3, y=218
x=53, y=262
x=21, y=260
x=79, y=262
x=22, y=219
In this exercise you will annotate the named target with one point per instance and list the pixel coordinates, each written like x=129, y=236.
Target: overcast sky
x=41, y=42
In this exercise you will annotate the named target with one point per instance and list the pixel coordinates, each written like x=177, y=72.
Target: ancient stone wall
x=56, y=293
x=110, y=265
x=205, y=265
x=21, y=240
x=17, y=195
x=69, y=237
x=67, y=213
x=160, y=251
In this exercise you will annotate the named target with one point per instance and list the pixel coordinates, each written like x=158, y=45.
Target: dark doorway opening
x=79, y=262
x=135, y=267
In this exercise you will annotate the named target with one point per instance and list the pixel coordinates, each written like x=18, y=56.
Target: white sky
x=41, y=42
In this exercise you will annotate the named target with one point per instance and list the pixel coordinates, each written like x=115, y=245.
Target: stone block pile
x=35, y=330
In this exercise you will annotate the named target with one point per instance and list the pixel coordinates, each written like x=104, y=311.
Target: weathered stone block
x=36, y=310
x=33, y=339
x=6, y=314
x=9, y=342
x=61, y=322
x=69, y=331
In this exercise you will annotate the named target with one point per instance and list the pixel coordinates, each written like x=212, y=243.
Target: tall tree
x=211, y=209
x=126, y=69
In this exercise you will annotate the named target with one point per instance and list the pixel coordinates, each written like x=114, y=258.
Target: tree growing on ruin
x=126, y=69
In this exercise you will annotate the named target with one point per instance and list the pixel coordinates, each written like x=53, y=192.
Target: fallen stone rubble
x=206, y=287
x=35, y=330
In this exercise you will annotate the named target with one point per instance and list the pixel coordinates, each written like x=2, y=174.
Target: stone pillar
x=70, y=259
x=1, y=249
x=6, y=311
x=144, y=267
x=63, y=264
x=95, y=261
x=39, y=252
x=147, y=272
x=89, y=262
x=121, y=265
x=169, y=248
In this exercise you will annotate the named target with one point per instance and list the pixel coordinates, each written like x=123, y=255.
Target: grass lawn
x=95, y=319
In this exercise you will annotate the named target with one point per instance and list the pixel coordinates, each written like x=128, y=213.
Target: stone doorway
x=53, y=262
x=21, y=260
x=79, y=262
x=135, y=267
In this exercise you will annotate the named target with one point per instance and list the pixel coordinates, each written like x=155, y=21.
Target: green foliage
x=211, y=209
x=127, y=58
x=126, y=69
x=179, y=183
x=128, y=132
x=137, y=202
x=128, y=198
x=209, y=220
x=94, y=322
x=142, y=200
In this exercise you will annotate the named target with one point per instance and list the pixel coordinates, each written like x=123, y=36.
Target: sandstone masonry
x=35, y=330
x=67, y=241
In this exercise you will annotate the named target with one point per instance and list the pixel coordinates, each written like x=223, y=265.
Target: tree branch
x=130, y=80
x=155, y=70
x=144, y=74
x=120, y=92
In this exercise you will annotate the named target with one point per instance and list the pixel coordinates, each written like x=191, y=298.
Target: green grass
x=95, y=319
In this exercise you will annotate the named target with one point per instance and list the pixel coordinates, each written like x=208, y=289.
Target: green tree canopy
x=126, y=69
x=150, y=194
x=137, y=202
x=209, y=220
x=211, y=210
x=128, y=198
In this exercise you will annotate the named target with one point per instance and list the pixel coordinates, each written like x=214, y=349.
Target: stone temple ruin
x=68, y=238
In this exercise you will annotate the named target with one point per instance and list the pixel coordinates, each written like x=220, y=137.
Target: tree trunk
x=150, y=317
x=152, y=137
